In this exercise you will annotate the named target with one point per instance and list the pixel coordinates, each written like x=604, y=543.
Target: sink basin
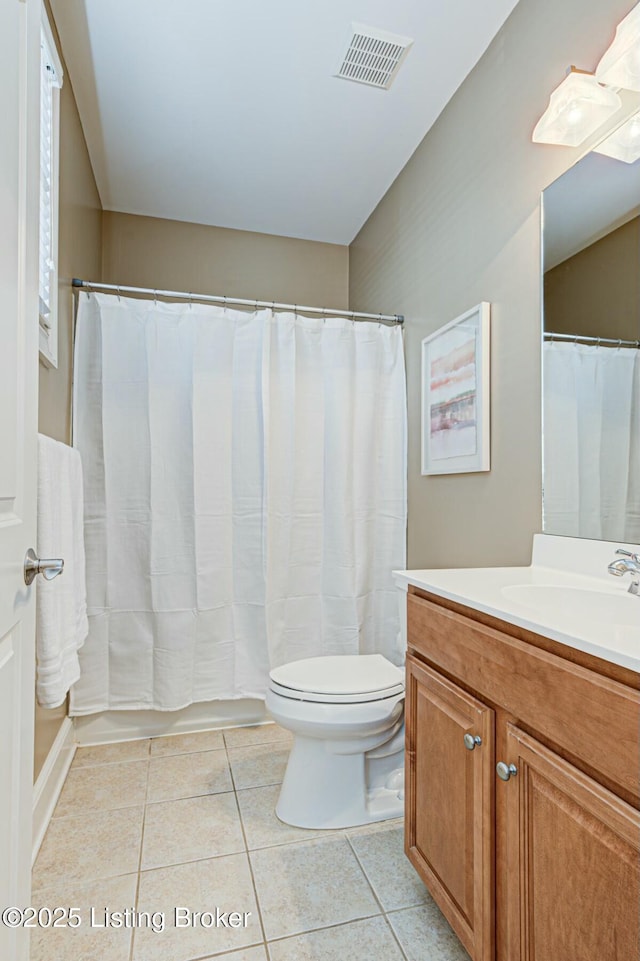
x=579, y=604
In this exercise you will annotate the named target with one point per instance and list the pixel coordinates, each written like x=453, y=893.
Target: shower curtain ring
x=190, y=301
x=118, y=292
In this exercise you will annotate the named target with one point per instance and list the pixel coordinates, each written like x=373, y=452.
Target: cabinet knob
x=471, y=741
x=505, y=771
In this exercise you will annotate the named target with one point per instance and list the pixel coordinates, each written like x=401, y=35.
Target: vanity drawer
x=590, y=718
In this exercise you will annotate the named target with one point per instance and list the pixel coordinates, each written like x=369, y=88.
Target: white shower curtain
x=592, y=441
x=335, y=486
x=245, y=496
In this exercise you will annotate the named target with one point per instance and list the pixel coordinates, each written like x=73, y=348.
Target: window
x=50, y=83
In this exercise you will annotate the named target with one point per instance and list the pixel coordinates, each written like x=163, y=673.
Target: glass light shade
x=577, y=107
x=620, y=66
x=624, y=143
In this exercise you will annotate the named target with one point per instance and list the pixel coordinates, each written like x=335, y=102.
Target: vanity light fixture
x=620, y=66
x=577, y=107
x=624, y=143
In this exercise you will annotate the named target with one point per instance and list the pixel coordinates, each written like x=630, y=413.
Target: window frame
x=48, y=334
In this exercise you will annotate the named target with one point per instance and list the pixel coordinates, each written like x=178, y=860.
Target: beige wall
x=173, y=255
x=461, y=224
x=597, y=292
x=79, y=253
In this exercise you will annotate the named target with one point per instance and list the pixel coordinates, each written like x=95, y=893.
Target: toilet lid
x=343, y=678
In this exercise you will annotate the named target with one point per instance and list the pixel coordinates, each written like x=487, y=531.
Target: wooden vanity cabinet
x=571, y=853
x=450, y=816
x=543, y=866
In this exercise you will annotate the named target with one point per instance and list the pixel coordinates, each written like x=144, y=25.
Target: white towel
x=61, y=604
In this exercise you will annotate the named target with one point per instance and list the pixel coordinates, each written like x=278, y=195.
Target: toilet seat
x=342, y=679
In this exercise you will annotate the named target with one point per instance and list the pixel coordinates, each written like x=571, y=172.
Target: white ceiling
x=590, y=200
x=226, y=112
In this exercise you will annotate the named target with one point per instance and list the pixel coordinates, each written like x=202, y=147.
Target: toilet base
x=326, y=790
x=380, y=805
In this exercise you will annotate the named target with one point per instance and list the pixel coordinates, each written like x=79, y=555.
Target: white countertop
x=583, y=606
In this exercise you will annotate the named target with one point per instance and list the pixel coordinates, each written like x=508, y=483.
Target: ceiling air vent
x=373, y=56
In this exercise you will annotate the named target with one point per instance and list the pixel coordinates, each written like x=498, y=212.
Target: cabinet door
x=449, y=803
x=572, y=861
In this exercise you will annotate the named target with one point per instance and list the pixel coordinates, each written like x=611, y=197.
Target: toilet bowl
x=346, y=766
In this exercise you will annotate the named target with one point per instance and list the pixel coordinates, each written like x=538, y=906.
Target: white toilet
x=346, y=765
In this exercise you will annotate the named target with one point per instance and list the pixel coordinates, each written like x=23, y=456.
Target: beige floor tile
x=201, y=886
x=89, y=940
x=108, y=753
x=424, y=933
x=258, y=953
x=256, y=734
x=190, y=829
x=102, y=845
x=187, y=743
x=369, y=940
x=309, y=885
x=258, y=764
x=261, y=826
x=375, y=827
x=188, y=775
x=392, y=877
x=103, y=787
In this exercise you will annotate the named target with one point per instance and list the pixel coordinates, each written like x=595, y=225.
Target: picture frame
x=456, y=395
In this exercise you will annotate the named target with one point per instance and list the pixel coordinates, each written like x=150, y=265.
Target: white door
x=19, y=185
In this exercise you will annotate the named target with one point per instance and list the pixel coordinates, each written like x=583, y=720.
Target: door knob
x=49, y=567
x=505, y=771
x=471, y=741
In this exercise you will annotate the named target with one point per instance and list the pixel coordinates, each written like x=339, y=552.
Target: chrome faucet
x=628, y=564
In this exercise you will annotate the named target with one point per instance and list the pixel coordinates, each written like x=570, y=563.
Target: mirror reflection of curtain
x=245, y=496
x=592, y=441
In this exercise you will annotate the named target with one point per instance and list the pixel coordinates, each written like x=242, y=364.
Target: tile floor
x=188, y=822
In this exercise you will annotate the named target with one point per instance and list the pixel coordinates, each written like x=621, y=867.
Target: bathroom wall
x=461, y=224
x=170, y=254
x=79, y=252
x=597, y=291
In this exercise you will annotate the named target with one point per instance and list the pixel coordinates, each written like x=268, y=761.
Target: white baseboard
x=111, y=726
x=46, y=790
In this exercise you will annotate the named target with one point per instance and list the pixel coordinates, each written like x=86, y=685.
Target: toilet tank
x=402, y=610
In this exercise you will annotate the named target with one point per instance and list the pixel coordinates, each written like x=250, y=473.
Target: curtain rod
x=591, y=340
x=208, y=298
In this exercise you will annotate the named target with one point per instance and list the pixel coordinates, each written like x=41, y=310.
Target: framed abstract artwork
x=456, y=395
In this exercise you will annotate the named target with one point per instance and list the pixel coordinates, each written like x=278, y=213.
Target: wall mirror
x=591, y=355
